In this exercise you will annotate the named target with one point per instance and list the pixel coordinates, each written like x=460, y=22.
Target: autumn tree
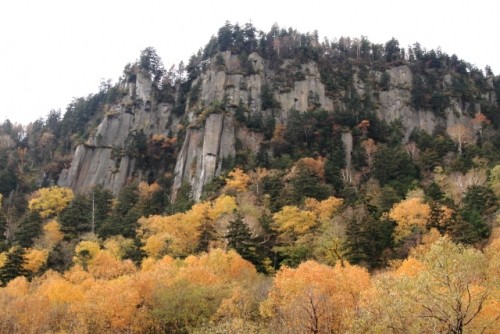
x=444, y=289
x=237, y=180
x=411, y=216
x=294, y=234
x=50, y=201
x=462, y=135
x=314, y=298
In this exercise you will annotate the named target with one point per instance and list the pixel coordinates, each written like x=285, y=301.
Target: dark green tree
x=14, y=266
x=124, y=216
x=480, y=199
x=76, y=218
x=151, y=62
x=225, y=37
x=392, y=50
x=307, y=184
x=393, y=166
x=367, y=236
x=207, y=234
x=102, y=204
x=240, y=239
x=29, y=229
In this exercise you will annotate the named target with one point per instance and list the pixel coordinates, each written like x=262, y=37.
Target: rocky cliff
x=103, y=160
x=231, y=87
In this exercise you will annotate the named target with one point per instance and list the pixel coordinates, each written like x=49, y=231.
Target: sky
x=52, y=51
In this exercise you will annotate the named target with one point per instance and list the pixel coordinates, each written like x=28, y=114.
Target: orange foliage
x=316, y=298
x=323, y=209
x=238, y=180
x=51, y=234
x=35, y=259
x=409, y=214
x=106, y=266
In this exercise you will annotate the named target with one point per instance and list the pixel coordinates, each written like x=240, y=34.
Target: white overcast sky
x=52, y=51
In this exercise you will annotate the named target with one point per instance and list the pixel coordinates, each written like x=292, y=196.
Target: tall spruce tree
x=29, y=229
x=240, y=239
x=76, y=218
x=14, y=266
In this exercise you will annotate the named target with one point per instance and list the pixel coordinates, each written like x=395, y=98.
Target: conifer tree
x=29, y=229
x=76, y=218
x=14, y=266
x=240, y=239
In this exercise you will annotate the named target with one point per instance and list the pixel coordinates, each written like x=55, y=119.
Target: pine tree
x=240, y=239
x=76, y=218
x=14, y=266
x=123, y=218
x=207, y=234
x=29, y=229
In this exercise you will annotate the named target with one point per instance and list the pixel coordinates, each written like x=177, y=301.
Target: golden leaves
x=409, y=214
x=50, y=201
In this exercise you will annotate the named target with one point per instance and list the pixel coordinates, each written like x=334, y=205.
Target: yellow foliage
x=316, y=166
x=217, y=266
x=238, y=180
x=58, y=290
x=178, y=234
x=109, y=306
x=51, y=234
x=408, y=214
x=292, y=219
x=77, y=275
x=50, y=201
x=223, y=205
x=316, y=296
x=118, y=245
x=3, y=258
x=146, y=191
x=85, y=252
x=35, y=259
x=324, y=209
x=106, y=266
x=18, y=287
x=410, y=267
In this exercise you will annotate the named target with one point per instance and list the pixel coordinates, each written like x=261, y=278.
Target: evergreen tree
x=240, y=239
x=103, y=202
x=367, y=237
x=207, y=234
x=307, y=184
x=29, y=229
x=3, y=225
x=76, y=219
x=14, y=266
x=123, y=218
x=135, y=253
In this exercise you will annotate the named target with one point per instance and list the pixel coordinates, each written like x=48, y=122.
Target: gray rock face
x=101, y=160
x=212, y=134
x=200, y=159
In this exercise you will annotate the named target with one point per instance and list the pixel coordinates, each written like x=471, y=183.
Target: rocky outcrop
x=101, y=160
x=227, y=83
x=202, y=153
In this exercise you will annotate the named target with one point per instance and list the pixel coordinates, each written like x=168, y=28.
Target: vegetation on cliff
x=300, y=233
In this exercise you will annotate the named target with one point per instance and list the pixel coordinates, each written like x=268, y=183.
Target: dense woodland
x=287, y=240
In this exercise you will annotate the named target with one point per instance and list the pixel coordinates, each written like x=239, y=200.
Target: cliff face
x=229, y=84
x=101, y=160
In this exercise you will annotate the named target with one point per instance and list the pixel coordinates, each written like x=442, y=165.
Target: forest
x=292, y=237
